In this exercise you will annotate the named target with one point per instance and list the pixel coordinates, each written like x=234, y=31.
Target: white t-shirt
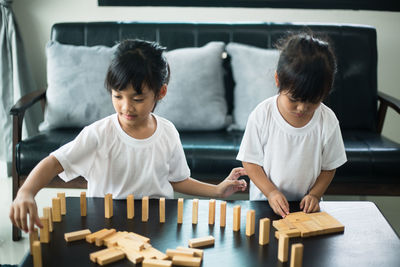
x=114, y=162
x=292, y=158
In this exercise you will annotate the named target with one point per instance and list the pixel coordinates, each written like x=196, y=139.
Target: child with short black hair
x=292, y=144
x=130, y=152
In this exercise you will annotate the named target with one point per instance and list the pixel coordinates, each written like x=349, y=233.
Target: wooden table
x=368, y=239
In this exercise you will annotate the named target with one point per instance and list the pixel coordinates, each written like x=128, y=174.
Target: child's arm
x=230, y=185
x=276, y=199
x=24, y=202
x=310, y=202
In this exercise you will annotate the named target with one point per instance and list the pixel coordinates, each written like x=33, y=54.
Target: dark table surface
x=368, y=239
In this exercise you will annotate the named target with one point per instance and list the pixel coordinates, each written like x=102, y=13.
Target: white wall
x=35, y=18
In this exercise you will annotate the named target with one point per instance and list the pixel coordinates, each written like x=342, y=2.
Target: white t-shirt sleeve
x=333, y=153
x=77, y=156
x=178, y=168
x=251, y=148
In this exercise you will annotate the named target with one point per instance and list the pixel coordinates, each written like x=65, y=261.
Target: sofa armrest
x=385, y=102
x=27, y=101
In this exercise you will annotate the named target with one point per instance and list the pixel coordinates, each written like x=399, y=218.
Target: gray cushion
x=196, y=96
x=76, y=95
x=253, y=71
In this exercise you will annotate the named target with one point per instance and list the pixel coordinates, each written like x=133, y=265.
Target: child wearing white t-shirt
x=130, y=152
x=292, y=144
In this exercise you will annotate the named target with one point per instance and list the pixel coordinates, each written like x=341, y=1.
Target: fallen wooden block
x=107, y=256
x=99, y=238
x=186, y=261
x=37, y=254
x=111, y=240
x=176, y=252
x=140, y=237
x=77, y=235
x=92, y=237
x=156, y=263
x=132, y=255
x=201, y=241
x=290, y=233
x=128, y=242
x=197, y=252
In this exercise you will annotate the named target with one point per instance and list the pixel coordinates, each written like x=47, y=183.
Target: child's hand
x=23, y=205
x=278, y=203
x=309, y=203
x=231, y=184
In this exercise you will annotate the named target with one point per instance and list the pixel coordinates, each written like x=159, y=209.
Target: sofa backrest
x=354, y=98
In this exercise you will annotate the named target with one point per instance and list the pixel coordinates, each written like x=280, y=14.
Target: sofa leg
x=16, y=233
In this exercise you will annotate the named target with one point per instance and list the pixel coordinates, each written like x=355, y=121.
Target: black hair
x=138, y=63
x=306, y=67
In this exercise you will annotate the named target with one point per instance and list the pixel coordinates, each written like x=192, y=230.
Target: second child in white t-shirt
x=130, y=152
x=292, y=144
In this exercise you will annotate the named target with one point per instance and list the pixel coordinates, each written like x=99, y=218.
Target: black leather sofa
x=373, y=165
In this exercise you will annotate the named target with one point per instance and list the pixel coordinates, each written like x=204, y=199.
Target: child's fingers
x=302, y=204
x=11, y=215
x=23, y=218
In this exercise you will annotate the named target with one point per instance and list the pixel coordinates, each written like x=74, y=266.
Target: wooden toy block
x=250, y=222
x=201, y=241
x=162, y=210
x=264, y=231
x=33, y=236
x=211, y=212
x=47, y=214
x=128, y=242
x=83, y=204
x=296, y=258
x=108, y=206
x=99, y=238
x=77, y=235
x=290, y=233
x=139, y=237
x=157, y=254
x=132, y=255
x=156, y=263
x=283, y=248
x=309, y=224
x=236, y=218
x=145, y=209
x=44, y=232
x=197, y=252
x=222, y=217
x=94, y=255
x=110, y=256
x=112, y=240
x=130, y=206
x=195, y=211
x=173, y=252
x=92, y=237
x=186, y=261
x=63, y=203
x=56, y=209
x=180, y=210
x=37, y=254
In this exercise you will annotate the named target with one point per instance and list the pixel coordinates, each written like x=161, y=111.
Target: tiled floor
x=12, y=252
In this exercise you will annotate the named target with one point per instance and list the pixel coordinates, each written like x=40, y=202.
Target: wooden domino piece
x=180, y=210
x=94, y=255
x=283, y=248
x=106, y=256
x=77, y=235
x=130, y=206
x=201, y=241
x=83, y=204
x=47, y=214
x=108, y=206
x=156, y=263
x=197, y=252
x=265, y=225
x=145, y=209
x=44, y=232
x=236, y=218
x=177, y=252
x=222, y=217
x=56, y=209
x=132, y=255
x=90, y=238
x=250, y=222
x=131, y=243
x=290, y=233
x=296, y=258
x=186, y=261
x=211, y=212
x=162, y=210
x=37, y=254
x=195, y=211
x=33, y=236
x=100, y=237
x=63, y=203
x=139, y=237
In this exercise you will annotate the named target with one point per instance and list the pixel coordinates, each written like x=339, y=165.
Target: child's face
x=133, y=109
x=295, y=112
